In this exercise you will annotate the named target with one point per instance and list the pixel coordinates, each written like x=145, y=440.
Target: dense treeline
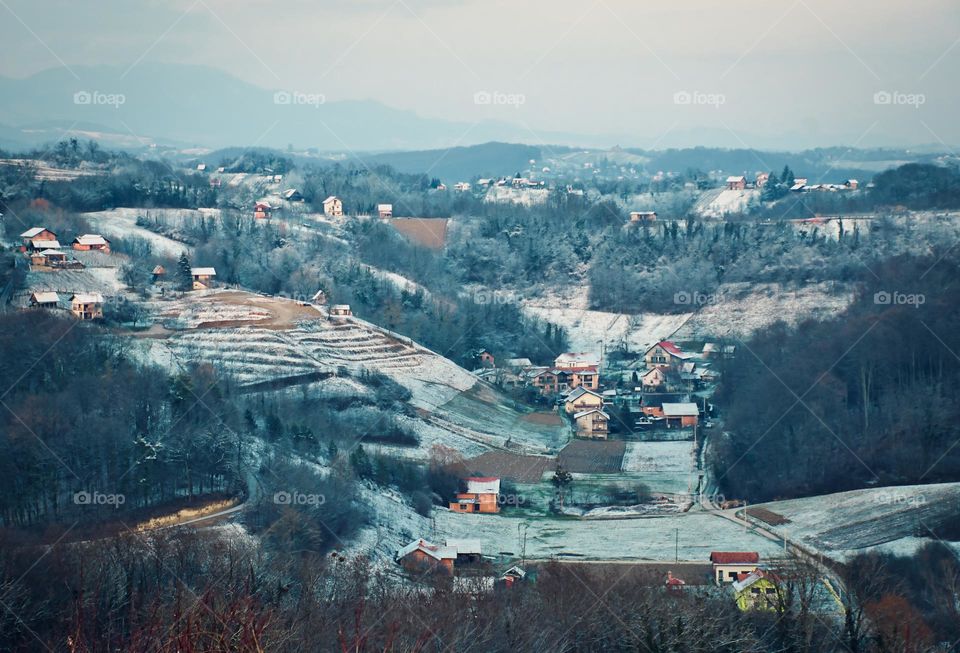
x=80, y=416
x=213, y=591
x=868, y=397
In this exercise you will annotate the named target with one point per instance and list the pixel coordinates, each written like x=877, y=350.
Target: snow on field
x=662, y=466
x=586, y=328
x=848, y=523
x=524, y=196
x=650, y=538
x=399, y=281
x=721, y=203
x=122, y=223
x=740, y=309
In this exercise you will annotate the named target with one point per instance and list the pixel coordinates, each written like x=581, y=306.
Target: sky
x=639, y=73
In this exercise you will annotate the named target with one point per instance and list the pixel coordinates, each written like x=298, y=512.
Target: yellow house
x=758, y=590
x=333, y=207
x=581, y=399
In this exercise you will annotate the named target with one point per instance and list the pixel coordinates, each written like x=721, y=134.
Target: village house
x=487, y=359
x=261, y=211
x=544, y=379
x=736, y=183
x=684, y=415
x=498, y=376
x=461, y=186
x=340, y=310
x=91, y=242
x=758, y=590
x=653, y=378
x=202, y=277
x=201, y=167
x=570, y=360
x=158, y=272
x=38, y=238
x=577, y=377
x=45, y=300
x=581, y=399
x=469, y=552
x=643, y=216
x=592, y=423
x=762, y=179
x=87, y=306
x=333, y=207
x=852, y=184
x=292, y=195
x=514, y=574
x=420, y=556
x=385, y=210
x=48, y=257
x=665, y=354
x=518, y=364
x=728, y=565
x=482, y=495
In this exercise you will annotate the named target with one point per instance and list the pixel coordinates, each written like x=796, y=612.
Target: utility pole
x=676, y=545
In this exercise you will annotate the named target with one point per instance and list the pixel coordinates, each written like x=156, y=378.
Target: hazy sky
x=646, y=73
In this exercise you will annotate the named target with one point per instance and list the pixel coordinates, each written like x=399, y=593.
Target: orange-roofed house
x=421, y=555
x=261, y=211
x=482, y=495
x=91, y=242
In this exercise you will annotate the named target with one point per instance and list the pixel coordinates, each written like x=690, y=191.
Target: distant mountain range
x=198, y=106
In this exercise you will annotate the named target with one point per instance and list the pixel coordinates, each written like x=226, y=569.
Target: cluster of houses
x=800, y=185
x=754, y=586
x=659, y=396
x=84, y=306
x=44, y=250
x=332, y=206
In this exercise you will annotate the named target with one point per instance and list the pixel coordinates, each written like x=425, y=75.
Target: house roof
x=331, y=199
x=733, y=178
x=483, y=485
x=91, y=239
x=33, y=231
x=579, y=391
x=433, y=550
x=584, y=413
x=203, y=272
x=87, y=298
x=45, y=297
x=519, y=362
x=384, y=207
x=680, y=410
x=468, y=547
x=50, y=244
x=159, y=270
x=734, y=557
x=568, y=359
x=515, y=571
x=672, y=349
x=747, y=579
x=340, y=307
x=48, y=252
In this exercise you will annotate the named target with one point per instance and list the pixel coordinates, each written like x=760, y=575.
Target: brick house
x=385, y=210
x=333, y=207
x=420, y=556
x=684, y=415
x=37, y=238
x=482, y=495
x=261, y=211
x=87, y=306
x=91, y=242
x=202, y=277
x=736, y=183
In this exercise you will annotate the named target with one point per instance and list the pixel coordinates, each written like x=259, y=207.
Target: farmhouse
x=87, y=306
x=736, y=183
x=292, y=195
x=38, y=238
x=340, y=310
x=682, y=415
x=421, y=555
x=385, y=210
x=333, y=207
x=757, y=590
x=581, y=399
x=47, y=257
x=664, y=354
x=91, y=242
x=728, y=565
x=202, y=277
x=45, y=300
x=468, y=551
x=592, y=423
x=261, y=211
x=481, y=496
x=643, y=216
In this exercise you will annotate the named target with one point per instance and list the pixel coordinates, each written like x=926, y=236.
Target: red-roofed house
x=664, y=354
x=728, y=565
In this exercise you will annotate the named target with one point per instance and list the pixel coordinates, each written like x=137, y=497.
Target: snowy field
x=586, y=328
x=721, y=203
x=848, y=523
x=663, y=466
x=741, y=309
x=650, y=538
x=122, y=223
